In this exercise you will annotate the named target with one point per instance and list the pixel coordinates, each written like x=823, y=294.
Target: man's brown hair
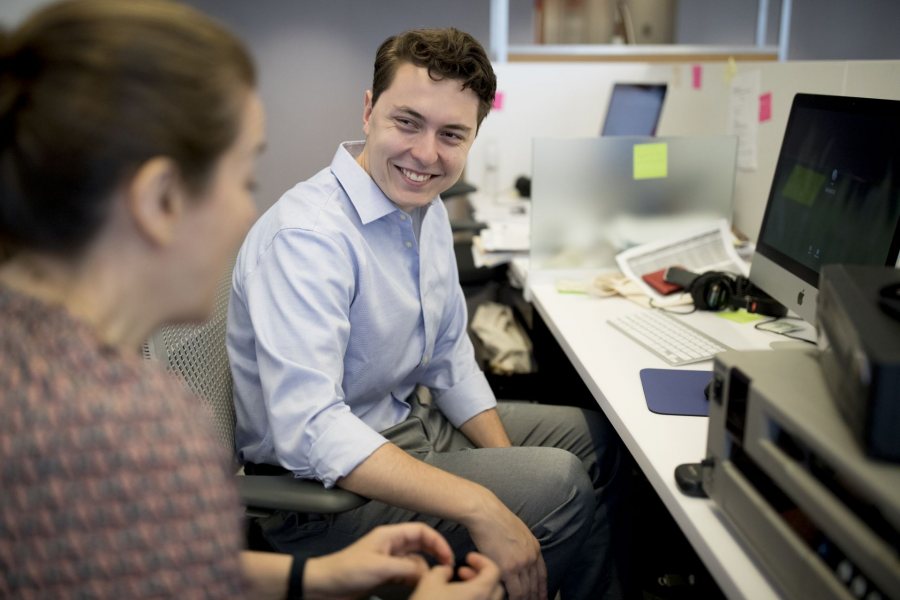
x=446, y=53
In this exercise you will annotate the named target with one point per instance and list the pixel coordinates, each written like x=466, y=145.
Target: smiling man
x=352, y=366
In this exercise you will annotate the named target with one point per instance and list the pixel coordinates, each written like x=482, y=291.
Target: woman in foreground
x=128, y=137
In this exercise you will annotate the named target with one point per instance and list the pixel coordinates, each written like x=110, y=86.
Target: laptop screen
x=634, y=109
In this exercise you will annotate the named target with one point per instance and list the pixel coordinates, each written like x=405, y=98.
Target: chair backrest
x=197, y=354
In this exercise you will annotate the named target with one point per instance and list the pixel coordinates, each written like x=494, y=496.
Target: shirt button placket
x=404, y=217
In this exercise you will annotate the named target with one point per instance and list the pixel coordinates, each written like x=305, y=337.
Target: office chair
x=197, y=354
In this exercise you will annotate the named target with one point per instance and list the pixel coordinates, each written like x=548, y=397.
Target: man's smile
x=415, y=176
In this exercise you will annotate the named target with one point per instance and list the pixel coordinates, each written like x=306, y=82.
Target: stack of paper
x=706, y=249
x=507, y=234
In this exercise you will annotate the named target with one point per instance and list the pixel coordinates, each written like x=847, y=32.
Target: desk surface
x=610, y=364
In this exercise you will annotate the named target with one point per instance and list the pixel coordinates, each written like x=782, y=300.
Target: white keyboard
x=669, y=338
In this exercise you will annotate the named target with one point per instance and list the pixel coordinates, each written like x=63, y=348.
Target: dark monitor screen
x=634, y=109
x=835, y=195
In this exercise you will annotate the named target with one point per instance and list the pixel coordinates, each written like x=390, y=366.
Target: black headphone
x=718, y=290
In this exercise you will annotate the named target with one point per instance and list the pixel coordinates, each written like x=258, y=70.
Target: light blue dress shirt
x=338, y=310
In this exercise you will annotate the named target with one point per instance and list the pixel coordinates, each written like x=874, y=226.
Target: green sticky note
x=651, y=161
x=739, y=316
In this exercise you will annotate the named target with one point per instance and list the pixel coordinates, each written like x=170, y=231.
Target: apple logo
x=800, y=297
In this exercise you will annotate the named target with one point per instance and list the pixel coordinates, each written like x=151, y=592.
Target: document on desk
x=506, y=237
x=507, y=233
x=705, y=249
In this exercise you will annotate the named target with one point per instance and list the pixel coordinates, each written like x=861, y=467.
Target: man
x=346, y=298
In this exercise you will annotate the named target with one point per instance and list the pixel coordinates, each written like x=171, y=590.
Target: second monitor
x=634, y=109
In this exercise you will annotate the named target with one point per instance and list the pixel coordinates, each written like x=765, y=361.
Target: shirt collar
x=367, y=198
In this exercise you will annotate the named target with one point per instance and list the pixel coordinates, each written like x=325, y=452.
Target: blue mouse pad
x=675, y=391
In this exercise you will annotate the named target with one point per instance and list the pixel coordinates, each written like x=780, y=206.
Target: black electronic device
x=819, y=516
x=689, y=478
x=719, y=290
x=861, y=355
x=679, y=276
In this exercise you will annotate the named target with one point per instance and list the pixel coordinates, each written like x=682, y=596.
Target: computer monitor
x=634, y=109
x=835, y=196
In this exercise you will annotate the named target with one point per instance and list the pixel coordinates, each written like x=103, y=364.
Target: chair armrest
x=469, y=225
x=460, y=188
x=284, y=492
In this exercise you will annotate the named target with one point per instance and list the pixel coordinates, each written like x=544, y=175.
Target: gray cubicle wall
x=568, y=100
x=588, y=202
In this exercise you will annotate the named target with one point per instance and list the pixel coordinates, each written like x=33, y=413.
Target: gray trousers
x=560, y=478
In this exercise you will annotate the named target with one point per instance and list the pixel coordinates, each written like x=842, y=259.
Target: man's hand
x=386, y=554
x=502, y=536
x=394, y=477
x=481, y=581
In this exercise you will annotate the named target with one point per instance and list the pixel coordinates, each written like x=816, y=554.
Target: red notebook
x=656, y=281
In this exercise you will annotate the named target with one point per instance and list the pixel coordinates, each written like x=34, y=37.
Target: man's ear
x=367, y=110
x=155, y=200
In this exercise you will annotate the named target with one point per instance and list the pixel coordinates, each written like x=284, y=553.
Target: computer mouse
x=708, y=389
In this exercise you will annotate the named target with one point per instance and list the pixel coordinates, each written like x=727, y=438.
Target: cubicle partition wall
x=593, y=197
x=569, y=100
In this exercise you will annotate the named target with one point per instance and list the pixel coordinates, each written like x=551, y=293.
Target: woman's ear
x=156, y=201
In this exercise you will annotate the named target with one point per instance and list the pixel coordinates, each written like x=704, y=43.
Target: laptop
x=634, y=109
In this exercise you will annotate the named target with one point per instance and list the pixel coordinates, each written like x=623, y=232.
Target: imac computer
x=835, y=196
x=634, y=109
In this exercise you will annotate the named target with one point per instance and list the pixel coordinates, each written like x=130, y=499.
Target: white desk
x=609, y=363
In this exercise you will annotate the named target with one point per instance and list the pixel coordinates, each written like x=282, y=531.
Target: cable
x=758, y=326
x=674, y=312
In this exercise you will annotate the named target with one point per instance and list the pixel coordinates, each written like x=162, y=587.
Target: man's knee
x=564, y=489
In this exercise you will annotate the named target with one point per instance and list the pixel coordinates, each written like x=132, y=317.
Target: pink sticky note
x=498, y=101
x=765, y=106
x=697, y=76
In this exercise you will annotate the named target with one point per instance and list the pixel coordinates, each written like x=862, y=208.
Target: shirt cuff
x=469, y=397
x=345, y=444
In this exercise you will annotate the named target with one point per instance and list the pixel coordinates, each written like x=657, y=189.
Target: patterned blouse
x=111, y=482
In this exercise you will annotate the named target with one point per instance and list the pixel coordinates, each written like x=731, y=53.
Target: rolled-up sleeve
x=298, y=298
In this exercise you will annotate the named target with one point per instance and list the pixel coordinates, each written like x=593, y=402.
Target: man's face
x=418, y=135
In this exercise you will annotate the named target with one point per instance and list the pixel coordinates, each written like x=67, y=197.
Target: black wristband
x=295, y=580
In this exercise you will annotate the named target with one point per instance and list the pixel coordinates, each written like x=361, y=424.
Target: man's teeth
x=417, y=177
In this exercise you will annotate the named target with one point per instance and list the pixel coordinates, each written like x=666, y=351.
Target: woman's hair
x=446, y=53
x=89, y=91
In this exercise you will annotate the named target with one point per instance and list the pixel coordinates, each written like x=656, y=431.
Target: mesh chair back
x=197, y=354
